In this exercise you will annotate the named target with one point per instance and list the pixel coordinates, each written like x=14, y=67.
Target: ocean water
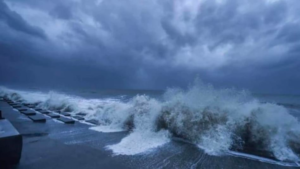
x=219, y=121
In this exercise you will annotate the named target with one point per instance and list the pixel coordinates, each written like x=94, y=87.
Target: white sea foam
x=140, y=142
x=107, y=129
x=262, y=159
x=215, y=120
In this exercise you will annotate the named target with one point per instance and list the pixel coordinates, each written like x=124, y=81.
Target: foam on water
x=107, y=129
x=216, y=120
x=262, y=159
x=140, y=142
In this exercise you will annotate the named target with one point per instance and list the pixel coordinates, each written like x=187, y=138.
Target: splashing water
x=215, y=120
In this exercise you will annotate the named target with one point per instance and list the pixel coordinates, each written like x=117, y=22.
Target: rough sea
x=213, y=123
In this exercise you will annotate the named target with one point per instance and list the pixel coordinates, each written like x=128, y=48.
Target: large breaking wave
x=215, y=120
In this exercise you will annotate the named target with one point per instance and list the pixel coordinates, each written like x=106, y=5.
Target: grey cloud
x=154, y=44
x=62, y=12
x=15, y=21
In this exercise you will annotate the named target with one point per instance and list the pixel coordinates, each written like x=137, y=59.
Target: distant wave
x=292, y=106
x=216, y=120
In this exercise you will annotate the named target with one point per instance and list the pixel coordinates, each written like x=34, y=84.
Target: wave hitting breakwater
x=216, y=120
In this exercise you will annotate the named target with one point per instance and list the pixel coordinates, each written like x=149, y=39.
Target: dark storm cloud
x=16, y=22
x=151, y=44
x=61, y=12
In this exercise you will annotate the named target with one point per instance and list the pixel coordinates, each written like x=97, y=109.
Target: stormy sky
x=151, y=44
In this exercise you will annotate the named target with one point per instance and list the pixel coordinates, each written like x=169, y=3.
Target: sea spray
x=217, y=120
x=143, y=122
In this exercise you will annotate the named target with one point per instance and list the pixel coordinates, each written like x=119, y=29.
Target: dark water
x=283, y=99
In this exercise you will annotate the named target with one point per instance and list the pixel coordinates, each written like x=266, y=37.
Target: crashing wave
x=216, y=120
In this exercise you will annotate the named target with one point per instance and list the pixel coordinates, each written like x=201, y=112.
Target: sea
x=198, y=127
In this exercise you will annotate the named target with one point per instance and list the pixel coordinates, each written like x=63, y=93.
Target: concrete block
x=1, y=117
x=44, y=112
x=66, y=120
x=81, y=114
x=22, y=108
x=17, y=106
x=38, y=118
x=78, y=117
x=7, y=99
x=52, y=115
x=93, y=121
x=10, y=143
x=31, y=106
x=28, y=112
x=65, y=114
x=28, y=104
